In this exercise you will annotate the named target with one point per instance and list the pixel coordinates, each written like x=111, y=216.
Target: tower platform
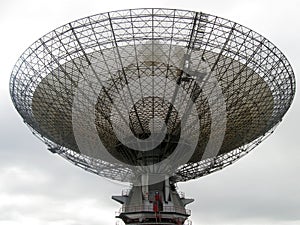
x=158, y=203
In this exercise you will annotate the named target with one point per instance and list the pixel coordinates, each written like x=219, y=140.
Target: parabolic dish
x=84, y=81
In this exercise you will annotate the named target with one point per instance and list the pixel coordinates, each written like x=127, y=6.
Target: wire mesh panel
x=144, y=68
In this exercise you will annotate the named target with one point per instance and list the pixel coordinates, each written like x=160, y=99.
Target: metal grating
x=123, y=51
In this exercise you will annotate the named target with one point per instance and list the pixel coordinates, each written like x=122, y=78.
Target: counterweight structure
x=152, y=97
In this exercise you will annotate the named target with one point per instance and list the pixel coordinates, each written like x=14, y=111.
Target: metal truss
x=124, y=47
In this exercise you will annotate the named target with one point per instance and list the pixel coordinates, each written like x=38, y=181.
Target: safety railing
x=187, y=222
x=125, y=192
x=181, y=194
x=149, y=208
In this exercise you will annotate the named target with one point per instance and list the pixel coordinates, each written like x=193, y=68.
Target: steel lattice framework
x=122, y=49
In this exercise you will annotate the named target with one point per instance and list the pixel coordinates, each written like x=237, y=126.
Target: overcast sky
x=39, y=188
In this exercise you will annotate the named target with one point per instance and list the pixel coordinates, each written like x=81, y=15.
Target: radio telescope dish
x=152, y=97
